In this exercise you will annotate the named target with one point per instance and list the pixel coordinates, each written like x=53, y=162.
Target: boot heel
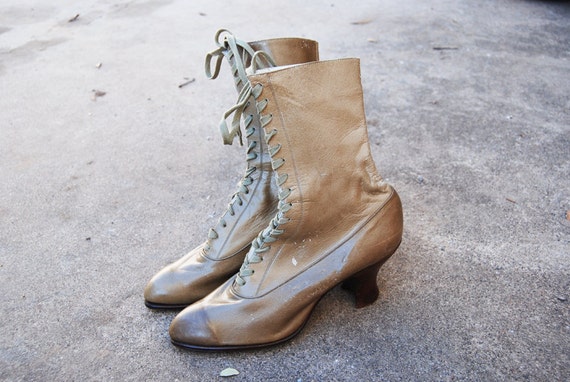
x=363, y=284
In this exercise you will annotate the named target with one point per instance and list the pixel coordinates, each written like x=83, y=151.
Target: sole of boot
x=239, y=347
x=152, y=305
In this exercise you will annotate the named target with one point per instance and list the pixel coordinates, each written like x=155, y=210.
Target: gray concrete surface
x=468, y=107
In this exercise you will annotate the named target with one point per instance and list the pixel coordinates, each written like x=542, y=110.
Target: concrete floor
x=468, y=104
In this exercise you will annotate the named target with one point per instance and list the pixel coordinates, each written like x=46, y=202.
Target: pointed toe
x=163, y=292
x=191, y=330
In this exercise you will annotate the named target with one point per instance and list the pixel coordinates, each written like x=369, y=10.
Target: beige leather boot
x=337, y=220
x=254, y=202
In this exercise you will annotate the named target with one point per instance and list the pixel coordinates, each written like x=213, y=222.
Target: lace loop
x=262, y=243
x=228, y=45
x=228, y=135
x=275, y=164
x=208, y=64
x=261, y=54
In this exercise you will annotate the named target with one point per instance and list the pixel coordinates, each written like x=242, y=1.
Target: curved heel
x=363, y=284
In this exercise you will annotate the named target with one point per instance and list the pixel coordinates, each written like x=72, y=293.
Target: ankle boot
x=337, y=220
x=254, y=202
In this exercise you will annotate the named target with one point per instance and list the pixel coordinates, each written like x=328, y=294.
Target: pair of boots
x=311, y=211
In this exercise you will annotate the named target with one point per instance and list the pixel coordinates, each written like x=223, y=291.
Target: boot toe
x=154, y=293
x=191, y=329
x=163, y=290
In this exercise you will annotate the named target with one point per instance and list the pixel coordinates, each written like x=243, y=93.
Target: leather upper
x=340, y=218
x=209, y=265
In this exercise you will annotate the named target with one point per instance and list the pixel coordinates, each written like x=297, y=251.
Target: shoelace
x=228, y=47
x=242, y=102
x=261, y=243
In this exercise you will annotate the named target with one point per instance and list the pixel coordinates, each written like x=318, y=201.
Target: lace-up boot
x=337, y=220
x=255, y=201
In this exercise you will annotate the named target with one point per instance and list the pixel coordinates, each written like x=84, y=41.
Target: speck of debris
x=362, y=22
x=186, y=83
x=445, y=48
x=97, y=94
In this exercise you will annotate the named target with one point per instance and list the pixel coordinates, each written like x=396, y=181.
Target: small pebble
x=229, y=372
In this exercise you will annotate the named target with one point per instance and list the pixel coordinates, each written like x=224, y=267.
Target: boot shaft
x=316, y=131
x=255, y=202
x=288, y=50
x=282, y=51
x=245, y=58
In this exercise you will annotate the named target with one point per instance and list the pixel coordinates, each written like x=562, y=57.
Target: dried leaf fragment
x=97, y=93
x=229, y=372
x=186, y=83
x=445, y=48
x=362, y=22
x=568, y=215
x=99, y=65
